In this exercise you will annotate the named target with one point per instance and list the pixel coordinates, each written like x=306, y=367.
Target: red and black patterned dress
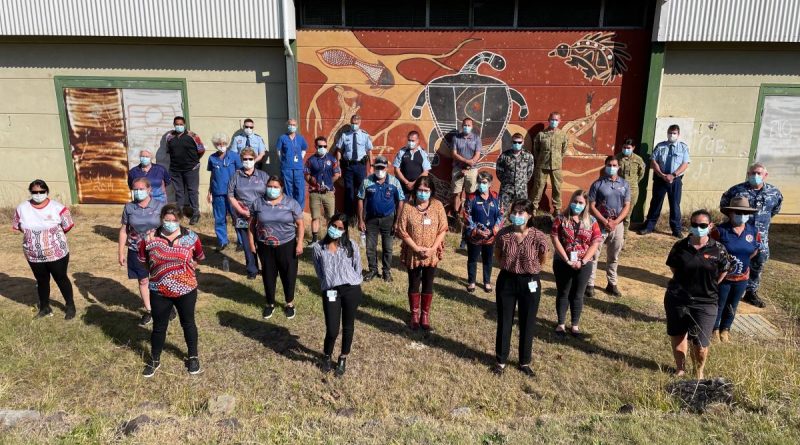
x=172, y=263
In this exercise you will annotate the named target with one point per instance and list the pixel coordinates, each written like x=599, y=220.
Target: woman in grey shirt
x=245, y=187
x=338, y=265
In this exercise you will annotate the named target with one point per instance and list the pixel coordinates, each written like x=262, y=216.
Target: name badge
x=295, y=158
x=573, y=256
x=532, y=286
x=426, y=222
x=331, y=294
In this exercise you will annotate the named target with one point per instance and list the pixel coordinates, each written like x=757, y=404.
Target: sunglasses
x=248, y=159
x=249, y=127
x=322, y=146
x=517, y=142
x=700, y=225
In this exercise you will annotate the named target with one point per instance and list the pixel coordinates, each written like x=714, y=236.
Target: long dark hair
x=344, y=241
x=424, y=180
x=40, y=183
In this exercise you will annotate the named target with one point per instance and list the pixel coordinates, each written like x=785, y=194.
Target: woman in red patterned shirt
x=171, y=255
x=521, y=250
x=576, y=236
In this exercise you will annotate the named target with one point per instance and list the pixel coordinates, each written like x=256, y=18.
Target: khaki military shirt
x=549, y=148
x=631, y=169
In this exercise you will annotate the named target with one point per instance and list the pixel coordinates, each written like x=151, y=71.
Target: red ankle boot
x=425, y=320
x=413, y=303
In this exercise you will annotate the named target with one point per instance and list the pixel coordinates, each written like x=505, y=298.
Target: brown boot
x=413, y=303
x=715, y=336
x=425, y=321
x=724, y=336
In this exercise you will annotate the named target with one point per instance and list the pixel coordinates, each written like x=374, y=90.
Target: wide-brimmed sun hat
x=739, y=204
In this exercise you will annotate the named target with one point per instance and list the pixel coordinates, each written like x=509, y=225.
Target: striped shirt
x=336, y=269
x=521, y=257
x=171, y=263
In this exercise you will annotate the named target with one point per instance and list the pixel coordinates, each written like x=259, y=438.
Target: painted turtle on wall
x=485, y=99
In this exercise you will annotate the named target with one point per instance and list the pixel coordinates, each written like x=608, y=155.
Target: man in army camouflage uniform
x=549, y=148
x=632, y=170
x=514, y=170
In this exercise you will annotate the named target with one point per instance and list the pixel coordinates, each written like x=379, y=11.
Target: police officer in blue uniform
x=248, y=138
x=292, y=147
x=353, y=151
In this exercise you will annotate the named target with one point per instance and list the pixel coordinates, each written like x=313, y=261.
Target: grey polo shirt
x=248, y=188
x=610, y=196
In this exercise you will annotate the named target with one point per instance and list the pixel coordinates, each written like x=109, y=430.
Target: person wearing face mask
x=549, y=148
x=222, y=165
x=633, y=170
x=742, y=241
x=337, y=262
x=353, y=150
x=609, y=202
x=483, y=217
x=767, y=200
x=521, y=250
x=411, y=162
x=292, y=147
x=422, y=225
x=466, y=147
x=247, y=137
x=276, y=233
x=140, y=218
x=576, y=237
x=44, y=224
x=698, y=265
x=669, y=163
x=157, y=174
x=514, y=169
x=322, y=171
x=378, y=200
x=171, y=254
x=246, y=187
x=185, y=150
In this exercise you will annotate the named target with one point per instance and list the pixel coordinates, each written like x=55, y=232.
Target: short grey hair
x=756, y=165
x=219, y=137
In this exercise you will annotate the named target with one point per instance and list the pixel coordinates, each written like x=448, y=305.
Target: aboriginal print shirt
x=172, y=263
x=44, y=231
x=575, y=236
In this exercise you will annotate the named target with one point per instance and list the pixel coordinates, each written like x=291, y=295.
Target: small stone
x=231, y=423
x=460, y=411
x=223, y=404
x=11, y=417
x=345, y=412
x=625, y=409
x=135, y=424
x=416, y=346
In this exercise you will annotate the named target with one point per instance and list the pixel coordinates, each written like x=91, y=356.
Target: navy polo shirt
x=222, y=170
x=380, y=199
x=323, y=169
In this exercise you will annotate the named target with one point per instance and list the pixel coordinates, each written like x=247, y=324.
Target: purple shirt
x=158, y=176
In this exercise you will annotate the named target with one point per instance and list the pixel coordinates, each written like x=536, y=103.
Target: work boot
x=370, y=275
x=751, y=297
x=425, y=320
x=724, y=336
x=715, y=336
x=413, y=303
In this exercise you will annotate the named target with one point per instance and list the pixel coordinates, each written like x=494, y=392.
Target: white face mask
x=380, y=173
x=248, y=131
x=222, y=148
x=38, y=198
x=248, y=164
x=672, y=137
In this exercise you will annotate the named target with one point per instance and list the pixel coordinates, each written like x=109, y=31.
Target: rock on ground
x=222, y=404
x=697, y=395
x=11, y=417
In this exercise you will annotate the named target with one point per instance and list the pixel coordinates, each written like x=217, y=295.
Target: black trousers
x=342, y=309
x=570, y=285
x=421, y=277
x=278, y=260
x=161, y=307
x=380, y=226
x=58, y=270
x=513, y=290
x=186, y=186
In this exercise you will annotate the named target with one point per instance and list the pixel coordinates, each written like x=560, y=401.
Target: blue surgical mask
x=423, y=196
x=518, y=220
x=467, y=129
x=517, y=146
x=180, y=128
x=170, y=226
x=576, y=208
x=627, y=151
x=334, y=232
x=144, y=160
x=355, y=127
x=273, y=192
x=553, y=123
x=483, y=187
x=755, y=179
x=699, y=232
x=738, y=220
x=412, y=144
x=139, y=195
x=292, y=128
x=611, y=171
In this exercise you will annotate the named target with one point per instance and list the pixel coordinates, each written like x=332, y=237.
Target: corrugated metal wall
x=233, y=19
x=728, y=21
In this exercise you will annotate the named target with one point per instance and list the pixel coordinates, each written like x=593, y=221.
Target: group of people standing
x=713, y=268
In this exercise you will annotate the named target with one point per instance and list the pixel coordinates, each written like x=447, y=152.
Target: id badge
x=573, y=256
x=242, y=223
x=295, y=158
x=532, y=286
x=331, y=294
x=426, y=222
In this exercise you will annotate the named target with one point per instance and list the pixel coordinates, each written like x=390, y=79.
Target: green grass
x=401, y=387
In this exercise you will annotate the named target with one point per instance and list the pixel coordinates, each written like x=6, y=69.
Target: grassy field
x=401, y=386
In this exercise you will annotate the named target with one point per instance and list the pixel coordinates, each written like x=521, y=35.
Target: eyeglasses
x=248, y=159
x=700, y=225
x=38, y=192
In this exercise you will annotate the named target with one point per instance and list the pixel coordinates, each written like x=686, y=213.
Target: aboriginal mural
x=507, y=82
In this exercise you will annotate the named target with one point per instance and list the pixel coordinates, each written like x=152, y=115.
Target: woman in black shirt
x=698, y=265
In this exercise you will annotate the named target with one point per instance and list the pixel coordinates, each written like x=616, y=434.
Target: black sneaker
x=174, y=314
x=678, y=234
x=194, y=220
x=612, y=290
x=220, y=248
x=289, y=311
x=150, y=368
x=645, y=232
x=341, y=367
x=239, y=248
x=69, y=313
x=387, y=277
x=370, y=275
x=589, y=293
x=268, y=310
x=751, y=297
x=146, y=319
x=46, y=311
x=252, y=276
x=526, y=369
x=193, y=366
x=498, y=369
x=327, y=364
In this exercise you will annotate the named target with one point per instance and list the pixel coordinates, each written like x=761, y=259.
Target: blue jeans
x=295, y=185
x=673, y=194
x=757, y=266
x=354, y=175
x=222, y=208
x=730, y=293
x=483, y=252
x=250, y=259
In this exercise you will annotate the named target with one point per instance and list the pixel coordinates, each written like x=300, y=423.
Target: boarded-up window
x=778, y=147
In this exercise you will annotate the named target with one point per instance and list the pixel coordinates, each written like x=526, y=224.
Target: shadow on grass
x=620, y=310
x=23, y=291
x=272, y=336
x=784, y=243
x=224, y=287
x=641, y=275
x=107, y=291
x=122, y=327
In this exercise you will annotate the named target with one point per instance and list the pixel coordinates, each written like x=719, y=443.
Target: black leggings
x=58, y=270
x=343, y=309
x=421, y=276
x=571, y=284
x=161, y=309
x=278, y=260
x=513, y=290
